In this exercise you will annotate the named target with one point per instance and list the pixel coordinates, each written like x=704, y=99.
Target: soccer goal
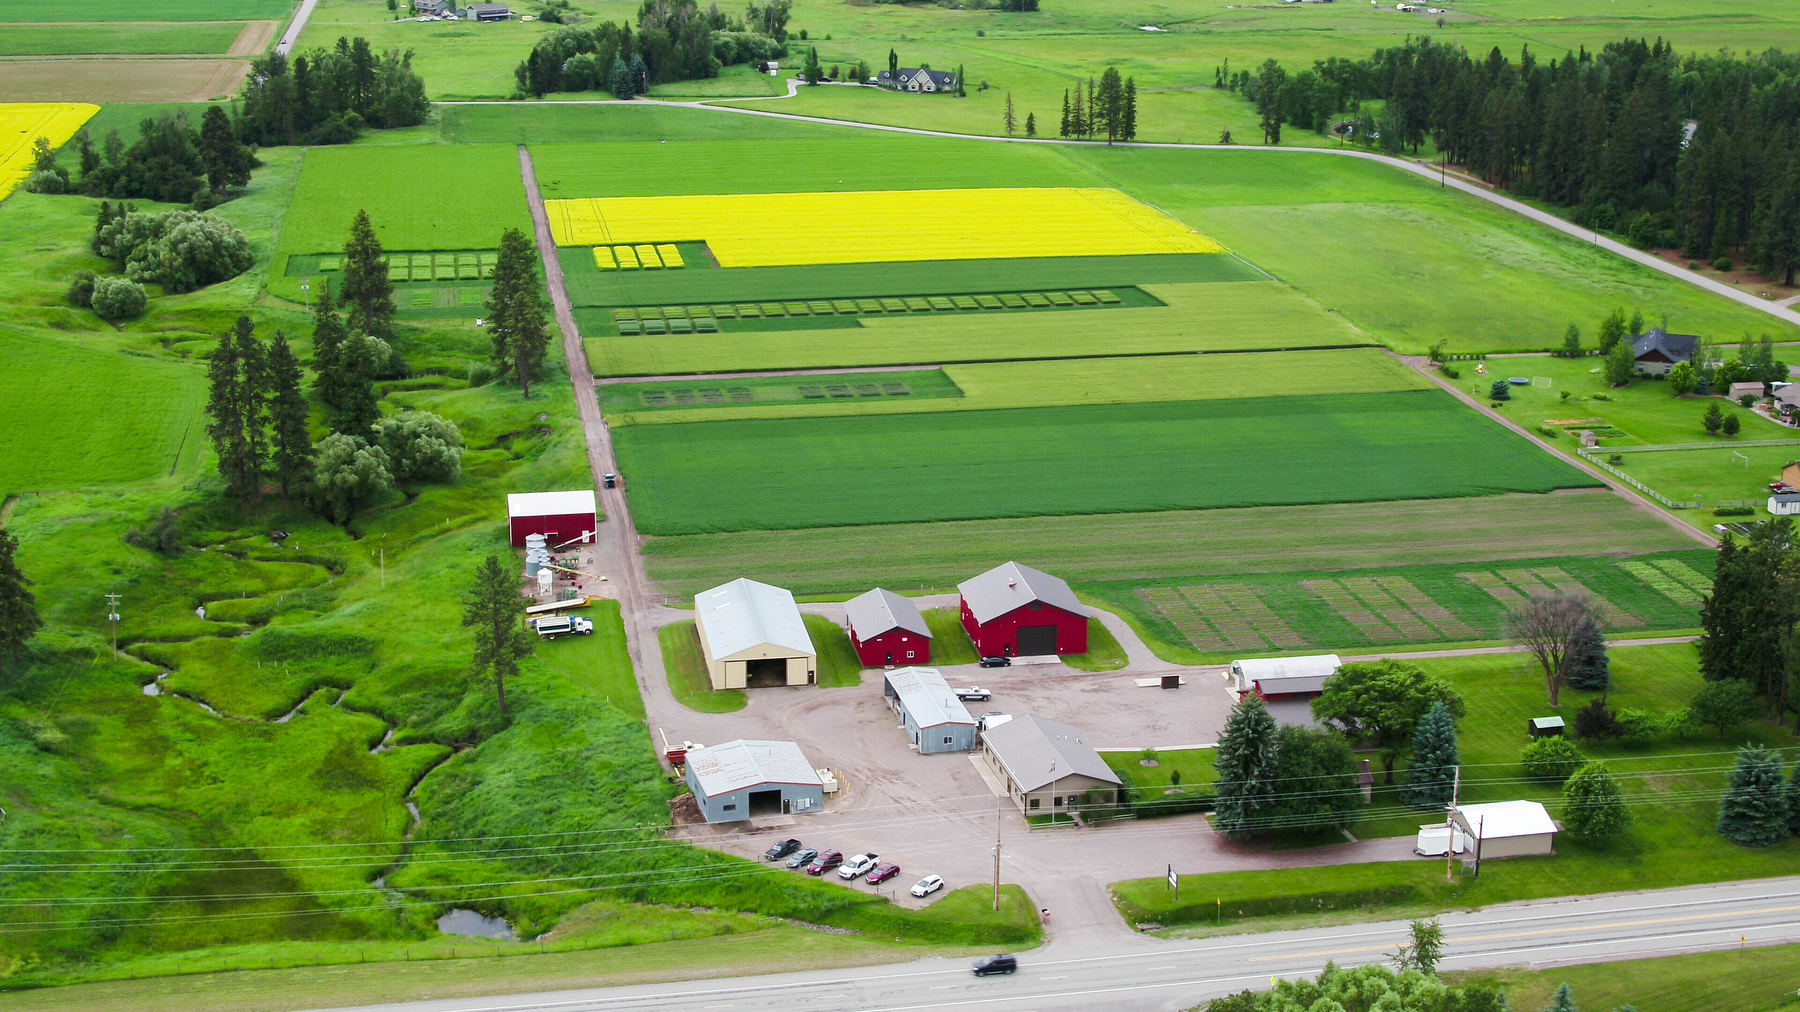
x=1541, y=382
x=1740, y=459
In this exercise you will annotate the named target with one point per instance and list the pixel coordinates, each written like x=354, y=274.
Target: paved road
x=295, y=27
x=1148, y=974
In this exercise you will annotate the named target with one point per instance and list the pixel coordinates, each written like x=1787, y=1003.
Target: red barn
x=558, y=516
x=887, y=629
x=1014, y=610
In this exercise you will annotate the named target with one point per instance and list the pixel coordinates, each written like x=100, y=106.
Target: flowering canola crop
x=880, y=226
x=23, y=123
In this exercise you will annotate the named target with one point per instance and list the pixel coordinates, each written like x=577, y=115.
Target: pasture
x=21, y=124
x=457, y=59
x=145, y=39
x=1090, y=459
x=1234, y=316
x=169, y=10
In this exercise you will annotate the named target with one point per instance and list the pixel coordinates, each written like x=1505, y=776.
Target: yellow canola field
x=882, y=226
x=23, y=123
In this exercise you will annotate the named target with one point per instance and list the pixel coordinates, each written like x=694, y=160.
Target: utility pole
x=997, y=825
x=383, y=553
x=1450, y=849
x=112, y=615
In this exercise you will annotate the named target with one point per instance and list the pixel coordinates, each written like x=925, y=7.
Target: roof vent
x=1010, y=582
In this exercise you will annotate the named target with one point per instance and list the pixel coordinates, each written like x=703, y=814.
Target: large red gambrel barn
x=1014, y=611
x=559, y=516
x=887, y=630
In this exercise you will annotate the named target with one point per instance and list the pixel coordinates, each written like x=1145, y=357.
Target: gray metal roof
x=928, y=697
x=1282, y=685
x=1037, y=751
x=1010, y=587
x=879, y=611
x=747, y=762
x=1675, y=347
x=744, y=614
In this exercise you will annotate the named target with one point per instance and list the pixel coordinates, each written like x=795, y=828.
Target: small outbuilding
x=1753, y=388
x=751, y=634
x=935, y=720
x=749, y=779
x=1047, y=766
x=887, y=629
x=559, y=516
x=1284, y=678
x=1657, y=351
x=1017, y=611
x=1508, y=828
x=489, y=12
x=1785, y=504
x=1545, y=727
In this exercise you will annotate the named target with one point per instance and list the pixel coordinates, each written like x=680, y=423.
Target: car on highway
x=858, y=866
x=826, y=861
x=927, y=885
x=781, y=850
x=974, y=693
x=882, y=873
x=996, y=662
x=995, y=964
x=802, y=858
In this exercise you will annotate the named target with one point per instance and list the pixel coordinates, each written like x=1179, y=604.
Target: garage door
x=1037, y=639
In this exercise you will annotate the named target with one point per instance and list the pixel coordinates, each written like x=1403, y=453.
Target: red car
x=825, y=862
x=882, y=873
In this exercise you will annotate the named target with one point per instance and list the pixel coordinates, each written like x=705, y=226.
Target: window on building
x=730, y=808
x=948, y=740
x=909, y=655
x=1034, y=803
x=1037, y=606
x=1056, y=801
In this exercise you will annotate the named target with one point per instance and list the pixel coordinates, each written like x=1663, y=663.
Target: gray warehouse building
x=935, y=720
x=748, y=779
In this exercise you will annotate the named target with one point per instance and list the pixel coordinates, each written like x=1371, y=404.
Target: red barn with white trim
x=558, y=516
x=1014, y=610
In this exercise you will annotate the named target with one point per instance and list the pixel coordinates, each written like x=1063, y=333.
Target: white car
x=858, y=866
x=927, y=885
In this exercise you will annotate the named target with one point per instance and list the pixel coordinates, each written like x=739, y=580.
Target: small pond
x=477, y=925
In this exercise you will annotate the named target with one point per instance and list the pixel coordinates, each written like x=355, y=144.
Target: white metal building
x=747, y=778
x=1508, y=828
x=752, y=634
x=935, y=720
x=1275, y=677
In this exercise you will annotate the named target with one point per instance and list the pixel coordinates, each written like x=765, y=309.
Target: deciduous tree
x=494, y=608
x=420, y=446
x=1315, y=785
x=1725, y=704
x=347, y=474
x=1548, y=625
x=1383, y=702
x=1593, y=805
x=1619, y=364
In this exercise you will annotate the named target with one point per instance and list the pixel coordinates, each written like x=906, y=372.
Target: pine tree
x=1063, y=131
x=360, y=359
x=893, y=67
x=1008, y=119
x=328, y=341
x=368, y=294
x=225, y=418
x=1031, y=124
x=1128, y=130
x=19, y=619
x=1246, y=763
x=1108, y=108
x=1586, y=666
x=1754, y=810
x=290, y=442
x=1572, y=341
x=1077, y=120
x=516, y=311
x=1561, y=1001
x=253, y=401
x=226, y=159
x=1091, y=122
x=1593, y=806
x=1431, y=777
x=495, y=609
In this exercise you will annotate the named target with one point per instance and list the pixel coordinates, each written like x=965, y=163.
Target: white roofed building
x=751, y=634
x=934, y=719
x=1284, y=677
x=749, y=778
x=559, y=516
x=1508, y=828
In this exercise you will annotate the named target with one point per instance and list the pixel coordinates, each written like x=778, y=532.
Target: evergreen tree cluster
x=170, y=162
x=256, y=414
x=327, y=96
x=1760, y=808
x=1110, y=109
x=1750, y=623
x=1699, y=152
x=673, y=40
x=19, y=620
x=516, y=312
x=1288, y=779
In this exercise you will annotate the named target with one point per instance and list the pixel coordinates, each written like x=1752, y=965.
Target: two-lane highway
x=1155, y=974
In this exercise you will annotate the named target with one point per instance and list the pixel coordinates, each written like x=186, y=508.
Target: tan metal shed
x=1508, y=828
x=752, y=634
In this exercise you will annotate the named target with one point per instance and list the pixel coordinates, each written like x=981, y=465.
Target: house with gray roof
x=917, y=80
x=1048, y=767
x=1016, y=611
x=933, y=718
x=750, y=778
x=751, y=634
x=887, y=629
x=1657, y=351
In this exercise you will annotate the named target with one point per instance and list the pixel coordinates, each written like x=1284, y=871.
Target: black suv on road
x=995, y=964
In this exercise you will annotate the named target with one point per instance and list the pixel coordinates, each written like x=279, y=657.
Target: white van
x=552, y=626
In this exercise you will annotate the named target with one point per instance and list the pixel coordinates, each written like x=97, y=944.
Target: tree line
x=672, y=40
x=327, y=96
x=171, y=162
x=1110, y=109
x=1696, y=152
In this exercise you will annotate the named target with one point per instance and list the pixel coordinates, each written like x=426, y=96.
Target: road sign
x=1174, y=879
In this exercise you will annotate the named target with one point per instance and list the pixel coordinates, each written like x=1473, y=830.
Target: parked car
x=781, y=850
x=858, y=866
x=609, y=480
x=995, y=964
x=882, y=873
x=927, y=885
x=989, y=721
x=975, y=693
x=803, y=858
x=551, y=626
x=825, y=862
x=996, y=662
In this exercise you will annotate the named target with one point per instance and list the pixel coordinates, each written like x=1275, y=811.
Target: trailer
x=556, y=606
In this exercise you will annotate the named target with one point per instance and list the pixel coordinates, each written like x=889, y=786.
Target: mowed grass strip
x=1147, y=379
x=74, y=417
x=1063, y=460
x=1186, y=543
x=143, y=39
x=1226, y=316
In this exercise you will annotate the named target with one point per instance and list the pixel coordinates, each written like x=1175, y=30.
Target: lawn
x=839, y=667
x=129, y=39
x=1165, y=456
x=599, y=663
x=1748, y=980
x=950, y=643
x=1166, y=546
x=1103, y=653
x=685, y=667
x=1194, y=765
x=1233, y=316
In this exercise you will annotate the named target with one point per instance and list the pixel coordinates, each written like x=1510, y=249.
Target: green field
x=606, y=125
x=457, y=59
x=120, y=39
x=998, y=385
x=174, y=10
x=1748, y=980
x=1101, y=459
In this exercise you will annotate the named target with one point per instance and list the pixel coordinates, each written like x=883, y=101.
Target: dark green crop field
x=791, y=473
